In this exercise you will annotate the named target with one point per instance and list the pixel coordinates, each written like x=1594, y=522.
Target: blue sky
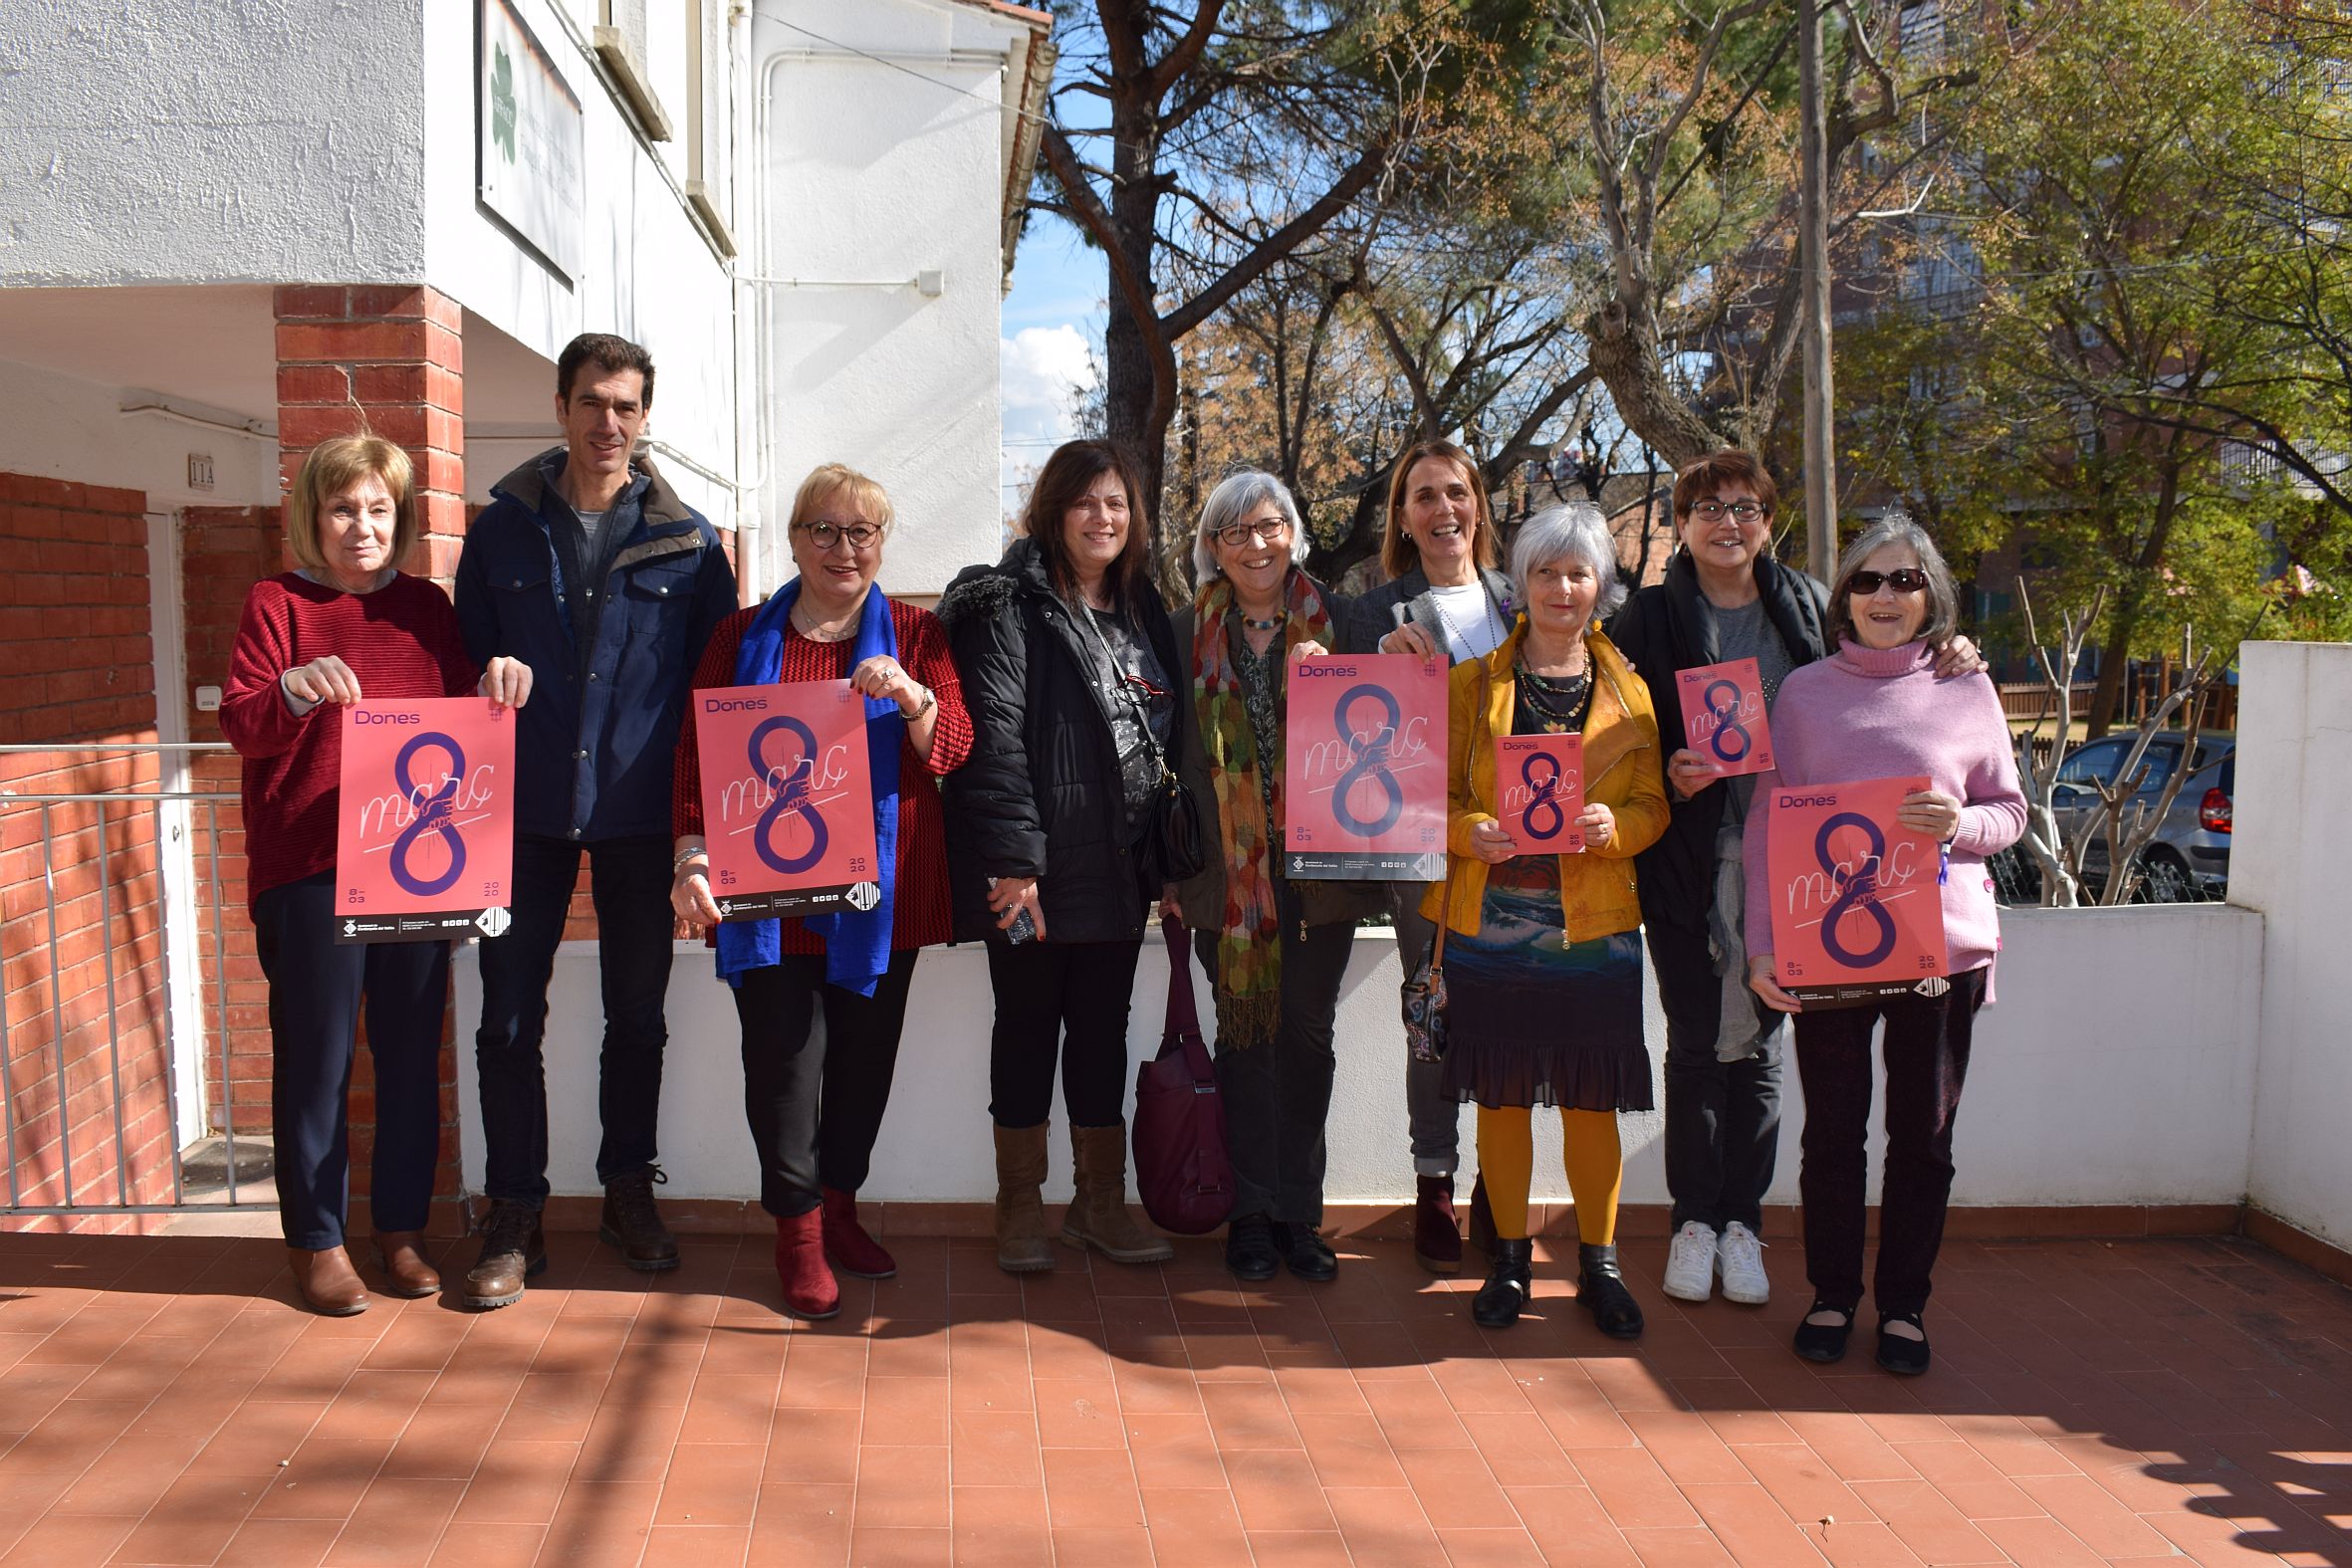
x=1052, y=323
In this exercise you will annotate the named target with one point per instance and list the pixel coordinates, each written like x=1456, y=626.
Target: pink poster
x=787, y=801
x=1722, y=717
x=1364, y=771
x=424, y=844
x=1539, y=784
x=1857, y=906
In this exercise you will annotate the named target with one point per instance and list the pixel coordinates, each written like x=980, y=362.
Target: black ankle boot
x=1482, y=1219
x=1499, y=1300
x=1603, y=1291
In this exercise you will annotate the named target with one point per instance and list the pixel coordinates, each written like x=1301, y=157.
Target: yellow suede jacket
x=1622, y=765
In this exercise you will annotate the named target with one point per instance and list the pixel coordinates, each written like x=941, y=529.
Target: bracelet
x=678, y=863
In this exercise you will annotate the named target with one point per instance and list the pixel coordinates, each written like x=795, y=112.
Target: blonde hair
x=336, y=464
x=829, y=479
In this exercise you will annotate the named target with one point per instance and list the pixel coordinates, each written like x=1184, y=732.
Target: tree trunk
x=1626, y=356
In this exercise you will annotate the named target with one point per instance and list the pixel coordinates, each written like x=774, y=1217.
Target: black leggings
x=815, y=1097
x=1066, y=999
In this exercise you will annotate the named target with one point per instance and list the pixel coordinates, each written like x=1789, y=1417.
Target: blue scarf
x=856, y=942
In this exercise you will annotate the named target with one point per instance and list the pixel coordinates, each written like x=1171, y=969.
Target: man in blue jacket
x=586, y=567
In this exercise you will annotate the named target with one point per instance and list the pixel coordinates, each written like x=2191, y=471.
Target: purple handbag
x=1182, y=1170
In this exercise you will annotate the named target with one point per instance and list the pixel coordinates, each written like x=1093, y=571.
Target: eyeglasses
x=1713, y=511
x=1235, y=534
x=1905, y=580
x=823, y=533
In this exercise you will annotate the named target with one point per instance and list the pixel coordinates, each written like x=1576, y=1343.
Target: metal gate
x=74, y=1076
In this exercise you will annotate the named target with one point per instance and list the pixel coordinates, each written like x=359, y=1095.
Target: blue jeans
x=630, y=881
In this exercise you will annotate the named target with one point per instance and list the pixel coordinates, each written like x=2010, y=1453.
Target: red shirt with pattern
x=921, y=917
x=402, y=641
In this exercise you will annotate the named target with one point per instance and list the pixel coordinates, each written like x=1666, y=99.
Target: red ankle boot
x=1435, y=1241
x=846, y=1243
x=809, y=1287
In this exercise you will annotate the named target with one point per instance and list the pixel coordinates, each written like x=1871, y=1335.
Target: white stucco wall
x=2293, y=860
x=60, y=427
x=875, y=171
x=649, y=274
x=211, y=141
x=2116, y=1068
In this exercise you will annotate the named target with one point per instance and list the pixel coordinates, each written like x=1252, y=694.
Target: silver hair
x=1576, y=529
x=1896, y=528
x=1237, y=495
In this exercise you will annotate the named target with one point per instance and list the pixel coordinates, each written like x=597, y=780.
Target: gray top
x=1136, y=686
x=1748, y=633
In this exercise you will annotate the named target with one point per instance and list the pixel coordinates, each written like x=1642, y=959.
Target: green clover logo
x=501, y=101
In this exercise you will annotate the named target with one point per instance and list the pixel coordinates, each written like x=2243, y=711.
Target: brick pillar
x=389, y=359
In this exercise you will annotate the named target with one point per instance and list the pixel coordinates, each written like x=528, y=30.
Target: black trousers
x=1278, y=1095
x=1927, y=1061
x=318, y=990
x=630, y=880
x=815, y=1096
x=1723, y=1118
x=1059, y=1001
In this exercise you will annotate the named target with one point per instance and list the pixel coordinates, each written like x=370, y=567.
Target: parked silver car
x=2188, y=858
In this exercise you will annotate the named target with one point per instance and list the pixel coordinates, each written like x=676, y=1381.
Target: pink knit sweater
x=1867, y=713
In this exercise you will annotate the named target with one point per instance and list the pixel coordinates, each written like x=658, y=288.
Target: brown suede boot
x=1021, y=1247
x=1097, y=1215
x=329, y=1285
x=1435, y=1241
x=406, y=1270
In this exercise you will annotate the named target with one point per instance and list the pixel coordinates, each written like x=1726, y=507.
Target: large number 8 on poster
x=1369, y=762
x=1857, y=891
x=433, y=815
x=791, y=798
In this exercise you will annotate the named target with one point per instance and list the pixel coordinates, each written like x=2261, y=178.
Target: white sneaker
x=1740, y=1259
x=1690, y=1263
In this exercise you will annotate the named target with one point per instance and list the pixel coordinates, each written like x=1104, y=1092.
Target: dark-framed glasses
x=823, y=533
x=1904, y=579
x=1713, y=511
x=1270, y=530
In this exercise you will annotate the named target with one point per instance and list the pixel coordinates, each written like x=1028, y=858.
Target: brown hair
x=335, y=464
x=1398, y=553
x=1067, y=474
x=827, y=480
x=1719, y=469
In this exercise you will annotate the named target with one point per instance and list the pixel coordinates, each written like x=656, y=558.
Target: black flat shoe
x=1309, y=1255
x=1601, y=1289
x=1899, y=1353
x=1500, y=1300
x=1250, y=1249
x=1823, y=1342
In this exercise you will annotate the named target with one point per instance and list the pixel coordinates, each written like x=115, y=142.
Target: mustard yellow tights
x=1588, y=1150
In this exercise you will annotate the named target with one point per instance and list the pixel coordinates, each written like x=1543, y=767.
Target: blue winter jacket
x=593, y=744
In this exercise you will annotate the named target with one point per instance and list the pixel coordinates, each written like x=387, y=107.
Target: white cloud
x=1038, y=371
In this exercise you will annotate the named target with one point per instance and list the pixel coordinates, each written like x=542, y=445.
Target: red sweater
x=402, y=641
x=922, y=917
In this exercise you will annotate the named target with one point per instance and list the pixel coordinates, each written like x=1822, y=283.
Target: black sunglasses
x=1905, y=580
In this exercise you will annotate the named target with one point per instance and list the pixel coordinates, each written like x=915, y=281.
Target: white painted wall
x=212, y=140
x=2293, y=860
x=649, y=274
x=60, y=427
x=875, y=170
x=2116, y=1068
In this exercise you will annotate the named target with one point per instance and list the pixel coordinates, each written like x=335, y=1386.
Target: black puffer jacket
x=1669, y=626
x=1041, y=793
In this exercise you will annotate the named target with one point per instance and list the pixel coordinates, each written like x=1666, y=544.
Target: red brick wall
x=75, y=637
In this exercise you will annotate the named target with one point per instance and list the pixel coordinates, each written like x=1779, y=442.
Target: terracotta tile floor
x=163, y=1402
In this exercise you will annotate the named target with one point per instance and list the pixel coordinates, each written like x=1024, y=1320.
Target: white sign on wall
x=529, y=142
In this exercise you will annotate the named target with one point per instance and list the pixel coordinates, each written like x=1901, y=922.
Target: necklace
x=1492, y=622
x=815, y=631
x=1557, y=701
x=1258, y=625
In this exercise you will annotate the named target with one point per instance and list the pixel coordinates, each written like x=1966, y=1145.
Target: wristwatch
x=929, y=702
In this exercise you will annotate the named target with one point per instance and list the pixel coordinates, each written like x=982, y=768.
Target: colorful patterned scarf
x=1248, y=941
